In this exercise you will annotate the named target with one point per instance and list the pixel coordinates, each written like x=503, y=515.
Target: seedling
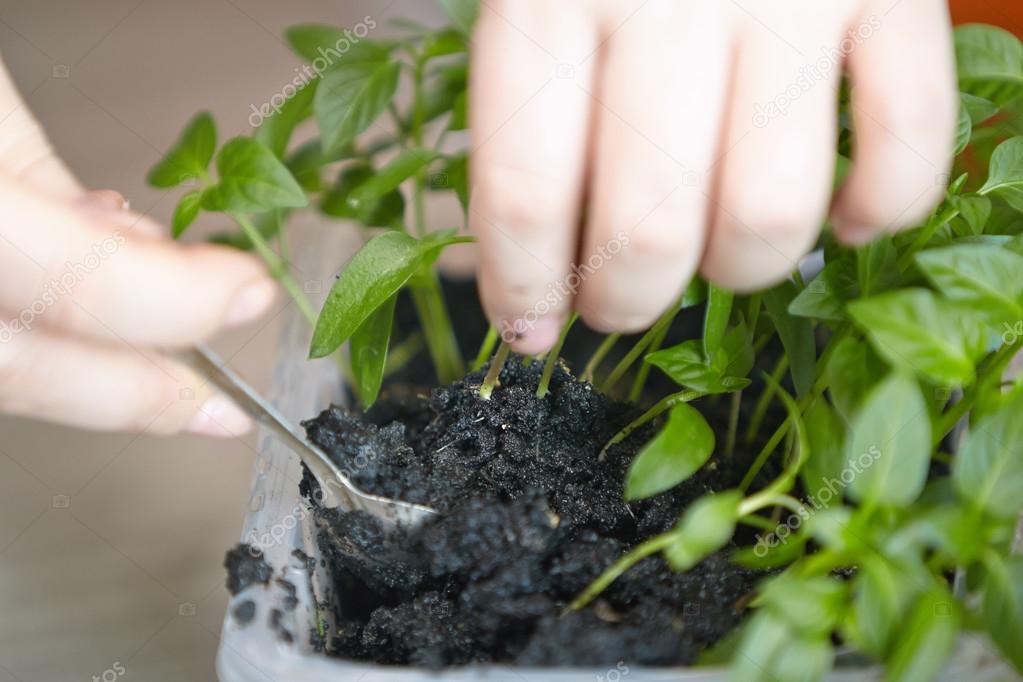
x=872, y=501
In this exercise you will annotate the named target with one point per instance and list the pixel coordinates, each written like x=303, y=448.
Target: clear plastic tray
x=278, y=522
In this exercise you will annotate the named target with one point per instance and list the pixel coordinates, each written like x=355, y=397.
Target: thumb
x=25, y=151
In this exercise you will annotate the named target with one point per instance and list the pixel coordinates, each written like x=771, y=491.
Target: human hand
x=90, y=293
x=701, y=134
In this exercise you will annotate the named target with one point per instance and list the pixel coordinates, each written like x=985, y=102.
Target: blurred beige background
x=111, y=545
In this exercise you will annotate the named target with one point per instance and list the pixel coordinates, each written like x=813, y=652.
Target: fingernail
x=852, y=233
x=535, y=337
x=106, y=198
x=250, y=303
x=220, y=418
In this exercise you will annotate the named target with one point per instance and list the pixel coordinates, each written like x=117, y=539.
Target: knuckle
x=520, y=201
x=660, y=243
x=156, y=395
x=783, y=212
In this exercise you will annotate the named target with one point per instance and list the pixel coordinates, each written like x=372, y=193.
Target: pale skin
x=702, y=131
x=669, y=136
x=87, y=344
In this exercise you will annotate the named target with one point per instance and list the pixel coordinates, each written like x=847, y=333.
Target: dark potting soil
x=531, y=516
x=245, y=565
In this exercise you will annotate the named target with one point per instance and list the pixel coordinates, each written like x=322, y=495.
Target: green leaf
x=770, y=554
x=251, y=180
x=305, y=164
x=850, y=373
x=380, y=268
x=796, y=335
x=1003, y=606
x=385, y=211
x=276, y=126
x=763, y=638
x=984, y=277
x=805, y=659
x=876, y=266
x=950, y=528
x=455, y=177
x=811, y=605
x=390, y=177
x=833, y=527
x=687, y=365
x=989, y=61
x=926, y=638
x=696, y=292
x=988, y=469
x=673, y=455
x=912, y=328
x=443, y=42
x=186, y=212
x=978, y=108
x=715, y=321
x=825, y=296
x=459, y=112
x=974, y=212
x=964, y=131
x=368, y=351
x=882, y=593
x=462, y=13
x=822, y=470
x=890, y=445
x=1005, y=177
x=705, y=527
x=326, y=46
x=350, y=98
x=442, y=90
x=190, y=156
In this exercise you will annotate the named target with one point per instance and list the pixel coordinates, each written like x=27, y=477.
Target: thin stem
x=277, y=267
x=427, y=294
x=639, y=382
x=768, y=498
x=637, y=350
x=486, y=349
x=779, y=434
x=663, y=405
x=455, y=365
x=733, y=423
x=754, y=311
x=598, y=356
x=402, y=353
x=818, y=390
x=552, y=358
x=990, y=374
x=936, y=220
x=640, y=552
x=494, y=373
x=764, y=401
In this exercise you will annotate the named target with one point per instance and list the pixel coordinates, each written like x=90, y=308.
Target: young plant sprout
x=863, y=501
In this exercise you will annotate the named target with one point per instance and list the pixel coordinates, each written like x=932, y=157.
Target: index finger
x=529, y=119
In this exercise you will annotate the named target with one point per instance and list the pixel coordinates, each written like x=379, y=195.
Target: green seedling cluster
x=887, y=354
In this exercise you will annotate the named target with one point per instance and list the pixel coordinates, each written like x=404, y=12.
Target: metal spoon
x=337, y=491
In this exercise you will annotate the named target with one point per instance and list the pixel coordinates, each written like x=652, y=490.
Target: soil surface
x=531, y=516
